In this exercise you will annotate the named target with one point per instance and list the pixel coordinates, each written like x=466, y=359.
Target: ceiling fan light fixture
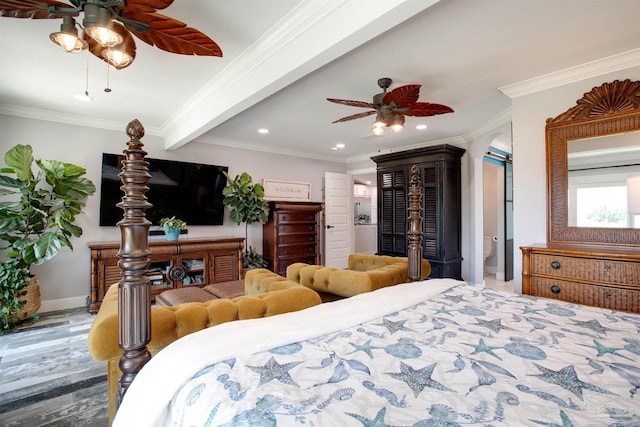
x=380, y=122
x=99, y=26
x=118, y=57
x=377, y=130
x=67, y=38
x=397, y=123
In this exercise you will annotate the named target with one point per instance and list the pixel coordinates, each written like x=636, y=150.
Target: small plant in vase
x=172, y=227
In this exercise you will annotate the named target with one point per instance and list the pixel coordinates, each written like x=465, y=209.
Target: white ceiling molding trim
x=610, y=64
x=266, y=149
x=490, y=126
x=457, y=141
x=324, y=30
x=70, y=119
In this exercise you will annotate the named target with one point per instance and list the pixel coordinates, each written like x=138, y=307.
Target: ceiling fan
x=108, y=25
x=392, y=107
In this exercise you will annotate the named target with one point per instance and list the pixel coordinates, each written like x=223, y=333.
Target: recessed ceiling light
x=263, y=131
x=368, y=183
x=421, y=127
x=340, y=146
x=334, y=148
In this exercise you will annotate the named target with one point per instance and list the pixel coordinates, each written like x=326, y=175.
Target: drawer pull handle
x=555, y=265
x=555, y=289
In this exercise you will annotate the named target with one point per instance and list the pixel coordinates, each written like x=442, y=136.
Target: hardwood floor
x=48, y=377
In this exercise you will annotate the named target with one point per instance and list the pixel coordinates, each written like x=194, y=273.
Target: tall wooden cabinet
x=292, y=234
x=441, y=203
x=174, y=264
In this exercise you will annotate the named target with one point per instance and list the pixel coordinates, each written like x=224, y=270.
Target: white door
x=338, y=219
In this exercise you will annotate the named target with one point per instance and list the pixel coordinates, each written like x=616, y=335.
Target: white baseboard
x=62, y=304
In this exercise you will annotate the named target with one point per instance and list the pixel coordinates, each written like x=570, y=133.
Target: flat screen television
x=189, y=191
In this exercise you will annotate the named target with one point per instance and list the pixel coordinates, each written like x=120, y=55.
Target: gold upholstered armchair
x=365, y=273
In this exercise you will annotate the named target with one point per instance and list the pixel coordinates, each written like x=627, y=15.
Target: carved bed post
x=134, y=295
x=414, y=232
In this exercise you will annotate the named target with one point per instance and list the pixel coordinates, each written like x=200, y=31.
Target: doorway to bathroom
x=498, y=215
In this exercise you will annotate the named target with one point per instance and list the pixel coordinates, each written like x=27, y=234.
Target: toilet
x=488, y=247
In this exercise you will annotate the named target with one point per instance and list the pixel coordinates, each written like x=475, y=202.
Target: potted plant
x=248, y=206
x=172, y=227
x=37, y=218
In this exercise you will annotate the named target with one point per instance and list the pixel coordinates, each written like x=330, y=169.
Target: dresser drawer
x=296, y=238
x=297, y=228
x=305, y=249
x=580, y=293
x=292, y=216
x=586, y=269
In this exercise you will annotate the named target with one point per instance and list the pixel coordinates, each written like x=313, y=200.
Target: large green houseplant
x=37, y=218
x=248, y=206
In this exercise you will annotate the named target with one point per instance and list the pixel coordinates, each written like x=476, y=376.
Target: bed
x=438, y=352
x=425, y=353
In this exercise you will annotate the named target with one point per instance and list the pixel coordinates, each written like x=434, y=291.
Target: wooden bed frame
x=134, y=293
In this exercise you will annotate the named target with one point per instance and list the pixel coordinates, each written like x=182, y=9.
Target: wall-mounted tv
x=189, y=191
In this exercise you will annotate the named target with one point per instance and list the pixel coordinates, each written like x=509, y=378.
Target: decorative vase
x=33, y=300
x=171, y=233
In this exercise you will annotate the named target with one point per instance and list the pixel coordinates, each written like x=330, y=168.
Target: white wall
x=529, y=114
x=65, y=280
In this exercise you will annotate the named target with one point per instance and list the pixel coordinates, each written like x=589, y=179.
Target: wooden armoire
x=441, y=203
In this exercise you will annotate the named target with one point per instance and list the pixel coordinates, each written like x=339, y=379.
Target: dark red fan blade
x=148, y=6
x=352, y=103
x=34, y=9
x=403, y=96
x=423, y=109
x=172, y=35
x=128, y=44
x=355, y=116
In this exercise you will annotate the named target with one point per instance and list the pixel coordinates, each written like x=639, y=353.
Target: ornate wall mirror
x=593, y=150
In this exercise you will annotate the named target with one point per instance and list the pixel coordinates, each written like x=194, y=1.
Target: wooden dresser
x=292, y=234
x=174, y=264
x=604, y=279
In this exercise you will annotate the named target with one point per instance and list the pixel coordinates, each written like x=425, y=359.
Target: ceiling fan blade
x=423, y=109
x=403, y=96
x=148, y=6
x=128, y=44
x=34, y=9
x=355, y=116
x=172, y=35
x=352, y=103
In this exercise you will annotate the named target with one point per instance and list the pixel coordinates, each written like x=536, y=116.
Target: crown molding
x=456, y=140
x=491, y=125
x=265, y=149
x=70, y=119
x=595, y=68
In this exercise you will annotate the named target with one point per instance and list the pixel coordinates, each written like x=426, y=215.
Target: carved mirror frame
x=609, y=109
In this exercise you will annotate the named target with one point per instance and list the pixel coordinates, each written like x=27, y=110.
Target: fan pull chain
x=85, y=96
x=86, y=81
x=107, y=89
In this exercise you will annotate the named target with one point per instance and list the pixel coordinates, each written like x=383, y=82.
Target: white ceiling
x=283, y=58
